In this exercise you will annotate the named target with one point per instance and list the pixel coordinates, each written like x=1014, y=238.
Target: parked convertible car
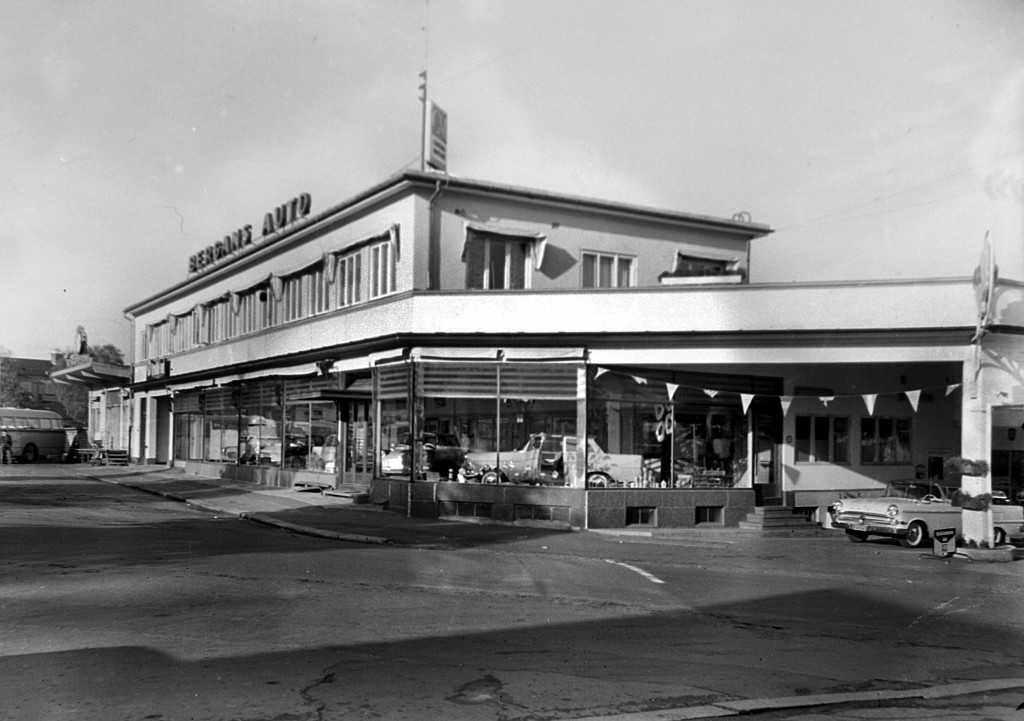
x=912, y=510
x=439, y=452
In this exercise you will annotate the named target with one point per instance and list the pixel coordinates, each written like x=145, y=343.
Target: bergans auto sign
x=238, y=240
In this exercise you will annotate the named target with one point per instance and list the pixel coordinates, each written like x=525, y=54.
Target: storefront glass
x=262, y=409
x=481, y=422
x=188, y=426
x=220, y=425
x=311, y=436
x=657, y=433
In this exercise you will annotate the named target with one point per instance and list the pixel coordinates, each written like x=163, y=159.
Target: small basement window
x=641, y=516
x=709, y=515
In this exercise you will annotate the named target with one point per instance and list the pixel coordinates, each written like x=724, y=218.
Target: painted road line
x=650, y=577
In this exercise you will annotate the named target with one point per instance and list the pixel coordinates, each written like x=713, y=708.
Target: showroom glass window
x=643, y=439
x=311, y=427
x=822, y=439
x=602, y=270
x=220, y=424
x=494, y=414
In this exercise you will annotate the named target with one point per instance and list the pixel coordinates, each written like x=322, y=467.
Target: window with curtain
x=496, y=263
x=885, y=440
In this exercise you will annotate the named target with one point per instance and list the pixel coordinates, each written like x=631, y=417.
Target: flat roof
x=409, y=178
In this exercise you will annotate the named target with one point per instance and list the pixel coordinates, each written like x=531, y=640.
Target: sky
x=878, y=139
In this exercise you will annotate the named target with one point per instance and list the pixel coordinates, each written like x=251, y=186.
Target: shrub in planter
x=965, y=467
x=981, y=502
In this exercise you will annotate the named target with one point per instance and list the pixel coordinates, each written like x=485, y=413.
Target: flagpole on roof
x=423, y=122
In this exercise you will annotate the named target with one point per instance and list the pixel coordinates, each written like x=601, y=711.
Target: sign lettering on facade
x=282, y=216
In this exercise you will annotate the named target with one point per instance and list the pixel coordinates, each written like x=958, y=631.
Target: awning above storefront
x=499, y=353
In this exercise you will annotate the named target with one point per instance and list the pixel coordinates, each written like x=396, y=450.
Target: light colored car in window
x=911, y=511
x=541, y=461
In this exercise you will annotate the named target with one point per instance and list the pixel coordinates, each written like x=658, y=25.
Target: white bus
x=34, y=434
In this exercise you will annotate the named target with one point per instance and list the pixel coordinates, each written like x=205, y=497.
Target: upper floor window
x=501, y=259
x=349, y=279
x=217, y=314
x=494, y=264
x=382, y=269
x=159, y=341
x=822, y=439
x=296, y=302
x=255, y=310
x=885, y=440
x=604, y=270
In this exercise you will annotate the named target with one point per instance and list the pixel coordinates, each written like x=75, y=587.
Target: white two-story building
x=464, y=318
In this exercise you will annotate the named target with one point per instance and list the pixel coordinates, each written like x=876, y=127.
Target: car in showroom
x=911, y=511
x=541, y=461
x=439, y=453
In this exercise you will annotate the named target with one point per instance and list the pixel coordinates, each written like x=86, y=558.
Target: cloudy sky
x=878, y=139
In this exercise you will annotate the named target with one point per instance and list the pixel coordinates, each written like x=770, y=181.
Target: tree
x=75, y=396
x=10, y=390
x=108, y=353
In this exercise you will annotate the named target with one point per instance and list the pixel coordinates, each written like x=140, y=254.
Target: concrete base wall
x=599, y=508
x=672, y=508
x=264, y=475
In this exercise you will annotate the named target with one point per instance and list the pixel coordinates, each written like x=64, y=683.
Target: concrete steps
x=778, y=520
x=354, y=494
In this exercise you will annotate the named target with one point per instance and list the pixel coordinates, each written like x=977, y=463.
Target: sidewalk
x=309, y=512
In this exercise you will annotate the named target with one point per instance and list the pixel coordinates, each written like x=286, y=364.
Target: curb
x=255, y=517
x=310, y=531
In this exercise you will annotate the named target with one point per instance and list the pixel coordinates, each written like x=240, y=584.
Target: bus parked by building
x=33, y=434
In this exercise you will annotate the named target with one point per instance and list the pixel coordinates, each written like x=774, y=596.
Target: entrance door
x=355, y=443
x=163, y=429
x=767, y=429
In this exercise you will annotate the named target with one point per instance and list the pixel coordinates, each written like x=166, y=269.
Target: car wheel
x=916, y=536
x=999, y=536
x=29, y=454
x=856, y=536
x=492, y=477
x=598, y=480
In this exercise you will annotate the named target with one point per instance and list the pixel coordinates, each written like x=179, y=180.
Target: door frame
x=766, y=475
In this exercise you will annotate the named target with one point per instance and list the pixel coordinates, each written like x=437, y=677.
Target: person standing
x=6, y=454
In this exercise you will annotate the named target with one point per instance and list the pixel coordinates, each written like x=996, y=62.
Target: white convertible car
x=912, y=510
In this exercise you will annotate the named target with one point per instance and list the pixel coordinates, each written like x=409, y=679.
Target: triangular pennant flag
x=913, y=397
x=746, y=398
x=710, y=393
x=869, y=401
x=671, y=388
x=785, y=401
x=826, y=399
x=951, y=388
x=600, y=372
x=639, y=380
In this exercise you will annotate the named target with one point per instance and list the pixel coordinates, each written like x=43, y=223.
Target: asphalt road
x=118, y=604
